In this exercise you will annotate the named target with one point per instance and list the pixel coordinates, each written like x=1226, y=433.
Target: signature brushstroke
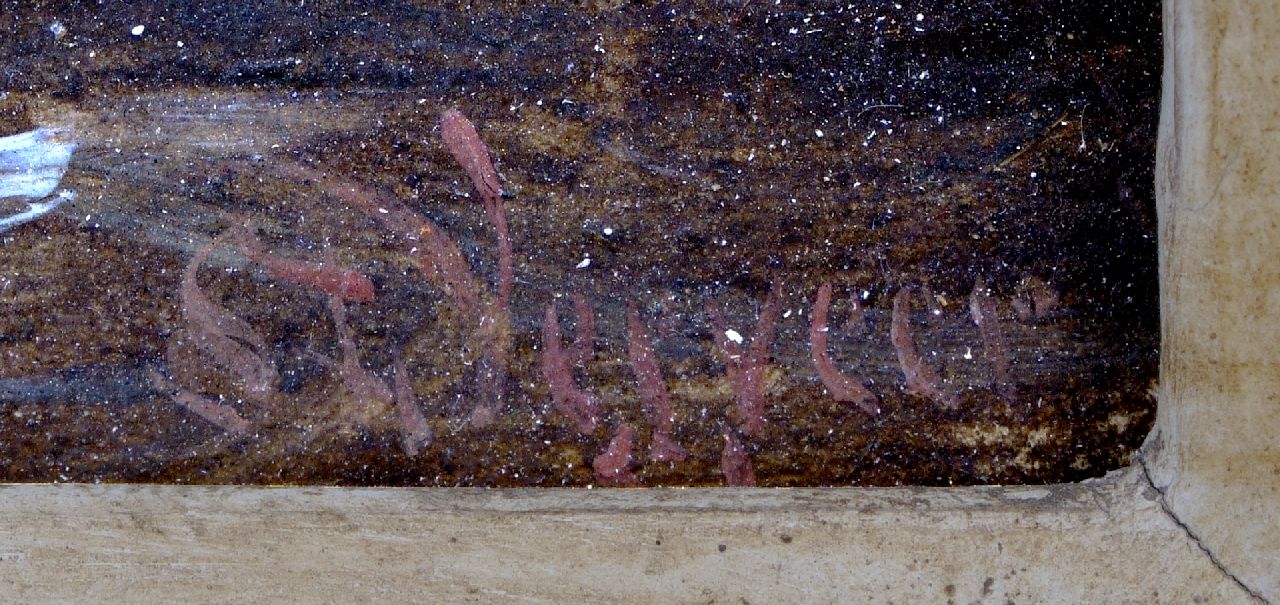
x=843, y=387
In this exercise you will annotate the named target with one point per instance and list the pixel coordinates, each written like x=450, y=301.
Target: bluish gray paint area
x=31, y=166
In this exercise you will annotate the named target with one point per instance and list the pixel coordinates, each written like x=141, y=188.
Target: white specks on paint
x=586, y=262
x=138, y=29
x=733, y=335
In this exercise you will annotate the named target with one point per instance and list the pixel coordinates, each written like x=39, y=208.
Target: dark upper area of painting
x=974, y=52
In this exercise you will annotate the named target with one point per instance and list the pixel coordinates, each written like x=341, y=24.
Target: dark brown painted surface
x=695, y=153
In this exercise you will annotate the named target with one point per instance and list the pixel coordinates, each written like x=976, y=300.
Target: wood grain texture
x=141, y=543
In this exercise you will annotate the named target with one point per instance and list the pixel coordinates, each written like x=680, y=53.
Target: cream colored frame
x=1194, y=519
